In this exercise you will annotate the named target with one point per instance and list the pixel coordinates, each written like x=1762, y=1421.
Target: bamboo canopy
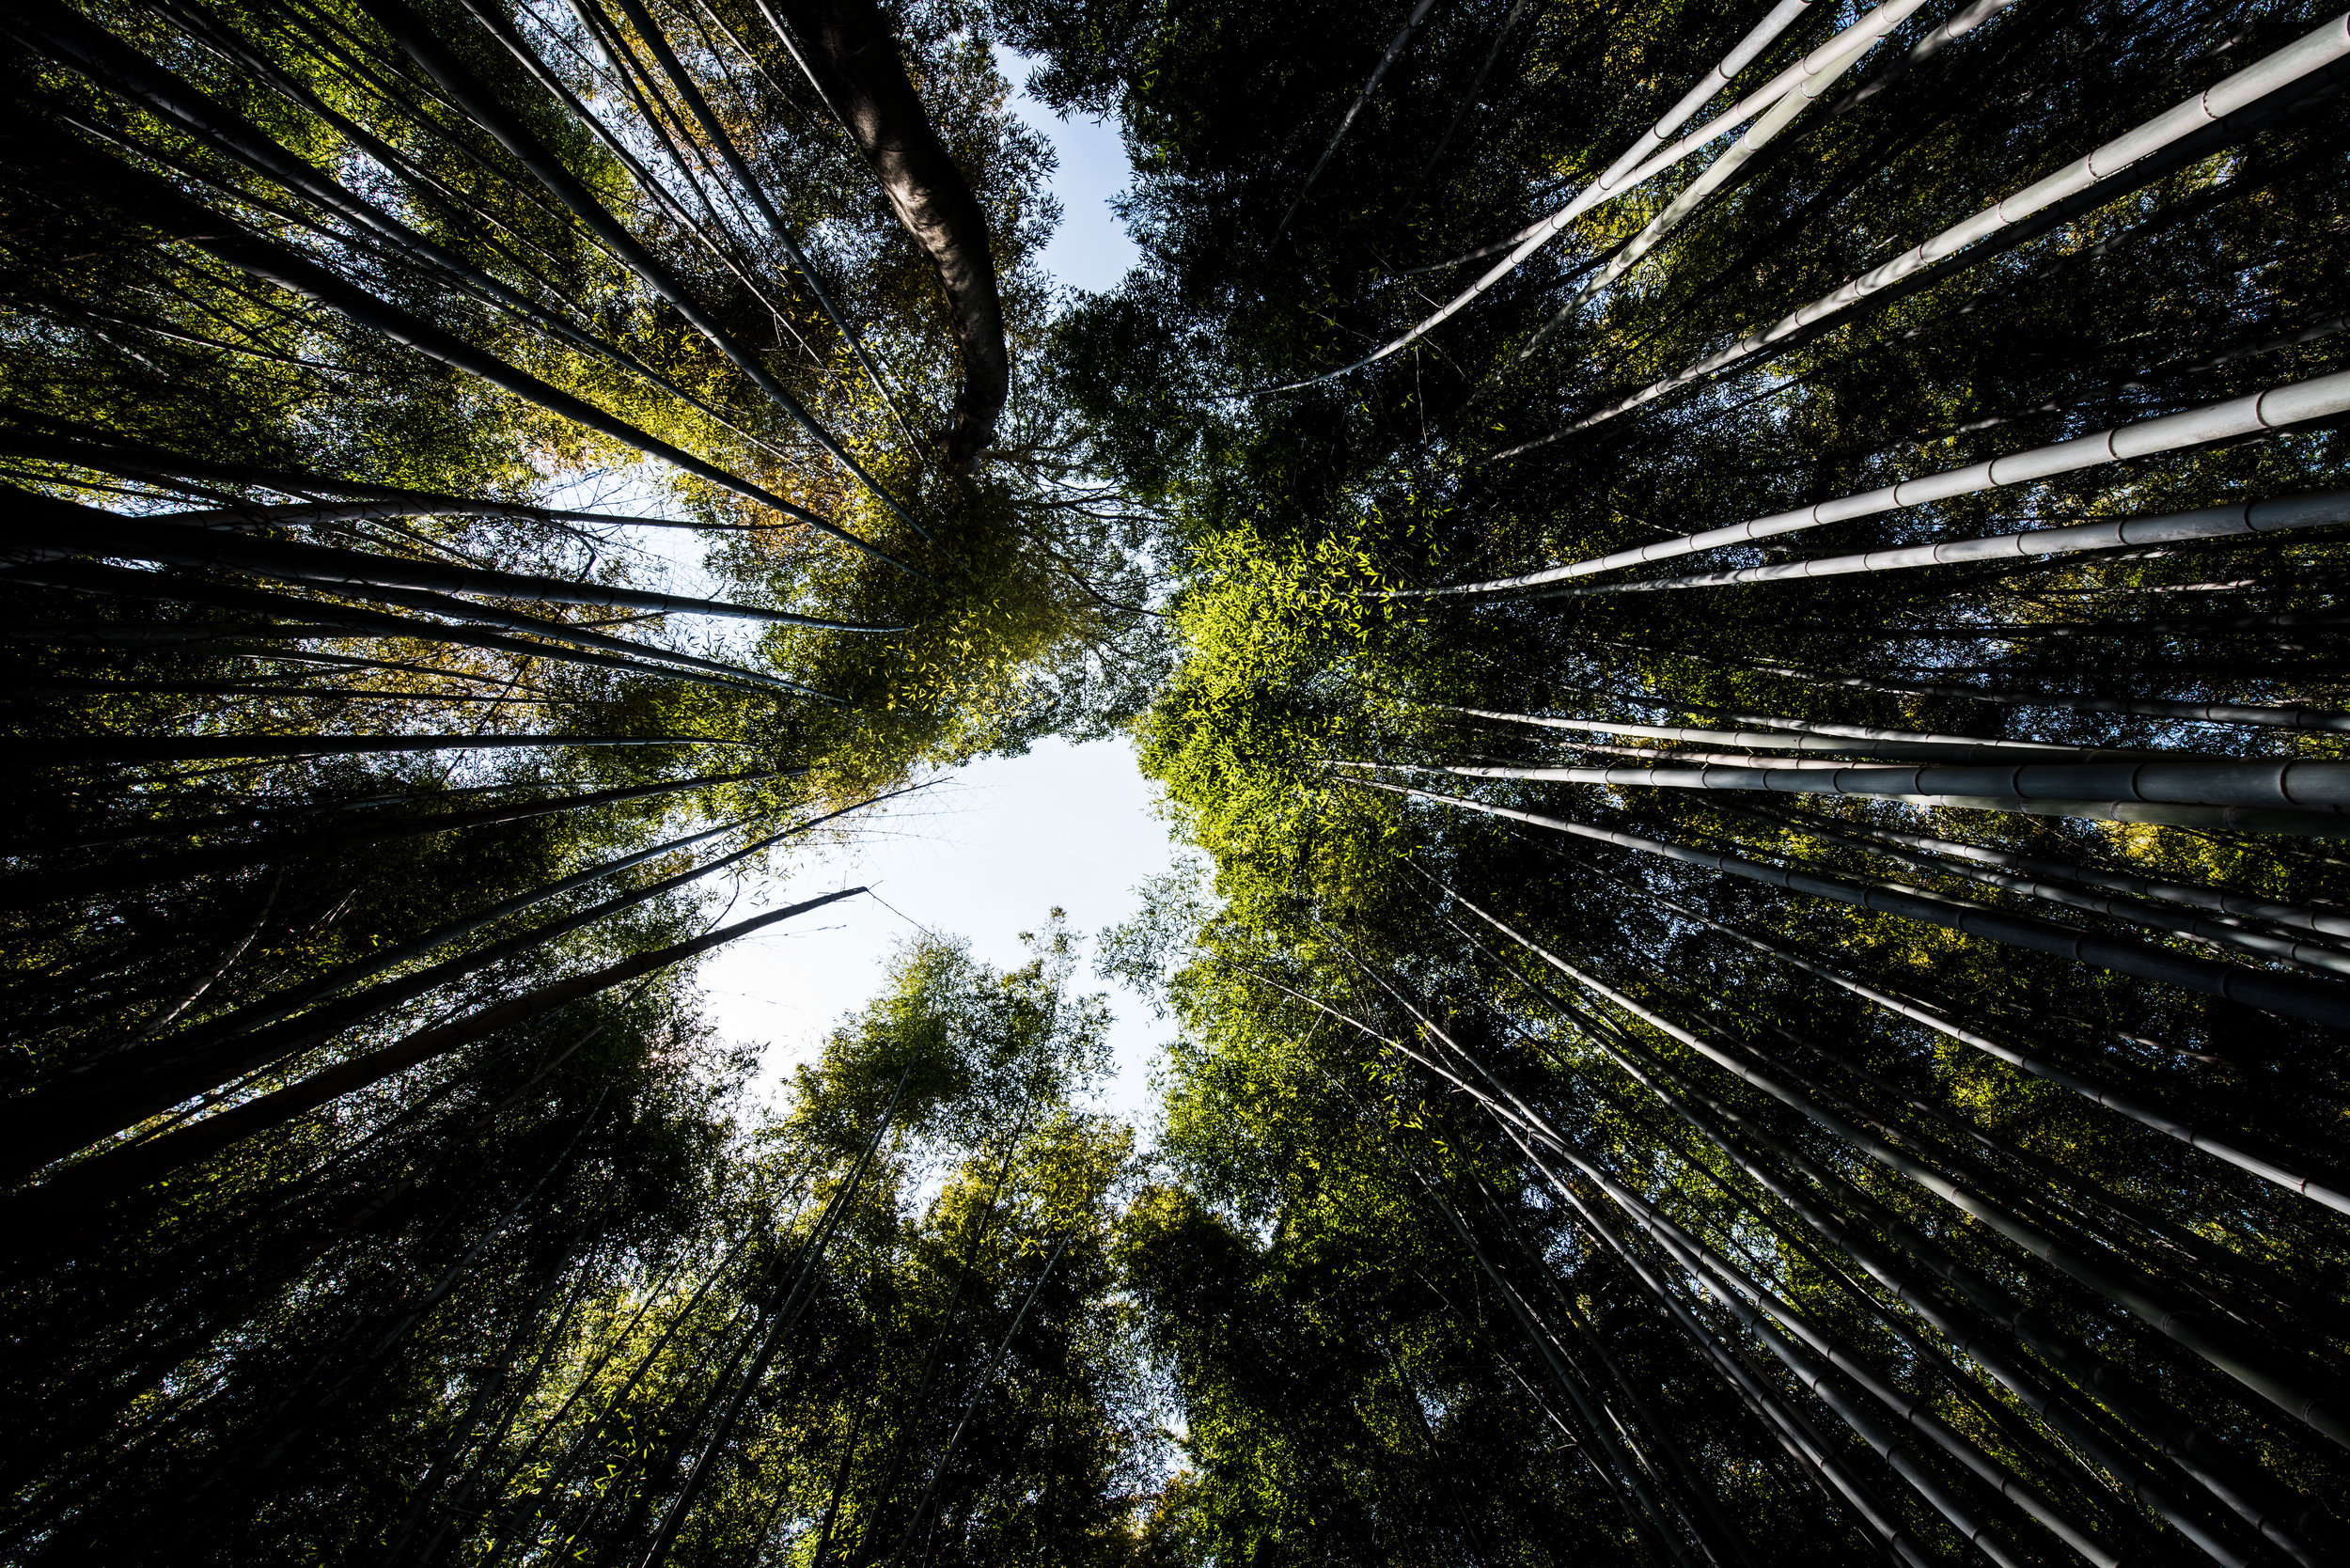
x=1735, y=613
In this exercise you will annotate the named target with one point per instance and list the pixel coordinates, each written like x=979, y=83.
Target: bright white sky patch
x=985, y=854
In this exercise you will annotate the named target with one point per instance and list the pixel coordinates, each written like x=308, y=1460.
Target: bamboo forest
x=1733, y=612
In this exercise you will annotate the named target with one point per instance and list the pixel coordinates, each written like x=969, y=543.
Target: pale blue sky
x=1090, y=249
x=988, y=853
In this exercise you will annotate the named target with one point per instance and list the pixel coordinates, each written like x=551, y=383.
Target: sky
x=1091, y=250
x=988, y=853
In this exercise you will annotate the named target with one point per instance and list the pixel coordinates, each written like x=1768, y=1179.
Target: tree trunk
x=852, y=57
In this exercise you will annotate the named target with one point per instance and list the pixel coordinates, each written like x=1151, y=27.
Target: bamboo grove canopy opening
x=1740, y=605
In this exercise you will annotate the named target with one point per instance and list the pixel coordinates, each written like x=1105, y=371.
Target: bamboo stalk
x=159, y=205
x=1939, y=853
x=188, y=748
x=2138, y=1478
x=121, y=1171
x=2299, y=1394
x=2294, y=403
x=1622, y=1476
x=1796, y=1359
x=160, y=871
x=323, y=618
x=67, y=531
x=1866, y=742
x=2088, y=1089
x=2239, y=103
x=785, y=1314
x=115, y=1092
x=2262, y=716
x=2319, y=1000
x=1620, y=177
x=2143, y=1413
x=106, y=60
x=270, y=1009
x=414, y=35
x=2235, y=521
x=1468, y=100
x=1346, y=122
x=1734, y=1289
x=2310, y=794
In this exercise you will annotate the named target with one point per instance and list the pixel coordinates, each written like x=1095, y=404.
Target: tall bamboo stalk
x=127, y=1167
x=2296, y=402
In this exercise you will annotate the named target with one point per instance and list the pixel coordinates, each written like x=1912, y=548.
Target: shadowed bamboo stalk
x=1846, y=739
x=2223, y=901
x=196, y=748
x=980, y=1386
x=1725, y=758
x=2141, y=1411
x=1731, y=1288
x=319, y=618
x=157, y=204
x=2296, y=795
x=2262, y=716
x=270, y=1009
x=2088, y=1089
x=1683, y=1098
x=109, y=62
x=1794, y=1430
x=2318, y=1000
x=1939, y=854
x=1468, y=100
x=1833, y=726
x=414, y=35
x=65, y=530
x=46, y=439
x=1734, y=1289
x=71, y=686
x=260, y=516
x=715, y=133
x=1346, y=121
x=2003, y=1311
x=785, y=1315
x=2302, y=1394
x=162, y=870
x=579, y=1448
x=119, y=1172
x=485, y=1391
x=2210, y=625
x=1717, y=1530
x=1624, y=1479
x=114, y=1092
x=1620, y=177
